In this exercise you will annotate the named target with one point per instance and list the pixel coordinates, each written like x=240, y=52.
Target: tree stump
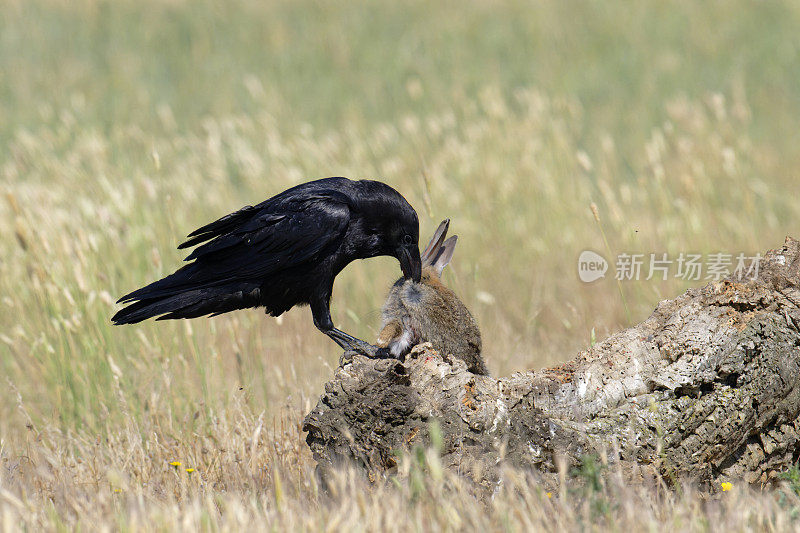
x=707, y=388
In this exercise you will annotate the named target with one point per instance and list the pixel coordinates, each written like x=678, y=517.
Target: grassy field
x=125, y=125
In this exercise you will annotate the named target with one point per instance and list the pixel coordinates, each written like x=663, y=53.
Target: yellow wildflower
x=176, y=464
x=549, y=494
x=726, y=486
x=189, y=470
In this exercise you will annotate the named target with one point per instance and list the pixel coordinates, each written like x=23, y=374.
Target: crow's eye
x=408, y=239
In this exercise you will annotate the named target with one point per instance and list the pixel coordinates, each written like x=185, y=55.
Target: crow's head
x=393, y=228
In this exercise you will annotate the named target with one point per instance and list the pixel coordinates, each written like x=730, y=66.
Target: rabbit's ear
x=431, y=251
x=445, y=254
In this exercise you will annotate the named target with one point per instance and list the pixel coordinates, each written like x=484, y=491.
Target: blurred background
x=125, y=125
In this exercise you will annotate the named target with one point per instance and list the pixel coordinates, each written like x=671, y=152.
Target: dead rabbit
x=429, y=311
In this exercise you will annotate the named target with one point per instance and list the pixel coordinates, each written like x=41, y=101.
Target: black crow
x=283, y=252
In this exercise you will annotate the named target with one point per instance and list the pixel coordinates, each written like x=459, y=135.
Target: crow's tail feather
x=188, y=303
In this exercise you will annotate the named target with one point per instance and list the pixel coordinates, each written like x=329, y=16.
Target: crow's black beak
x=410, y=263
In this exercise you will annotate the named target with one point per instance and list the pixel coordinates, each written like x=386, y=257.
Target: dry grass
x=254, y=472
x=124, y=127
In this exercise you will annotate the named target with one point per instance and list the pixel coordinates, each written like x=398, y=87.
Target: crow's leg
x=324, y=323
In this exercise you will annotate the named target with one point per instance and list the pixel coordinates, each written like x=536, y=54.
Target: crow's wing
x=256, y=242
x=251, y=218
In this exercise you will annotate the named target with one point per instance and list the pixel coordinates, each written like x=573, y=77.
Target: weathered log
x=707, y=388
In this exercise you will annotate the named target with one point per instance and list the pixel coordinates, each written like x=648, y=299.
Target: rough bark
x=707, y=388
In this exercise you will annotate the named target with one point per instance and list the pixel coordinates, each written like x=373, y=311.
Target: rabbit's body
x=429, y=311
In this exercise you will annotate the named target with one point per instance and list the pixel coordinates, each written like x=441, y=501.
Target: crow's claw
x=346, y=357
x=367, y=350
x=351, y=344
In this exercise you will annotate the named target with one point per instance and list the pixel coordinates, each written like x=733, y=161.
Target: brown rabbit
x=429, y=311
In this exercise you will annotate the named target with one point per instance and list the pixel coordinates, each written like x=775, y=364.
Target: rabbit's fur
x=429, y=311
